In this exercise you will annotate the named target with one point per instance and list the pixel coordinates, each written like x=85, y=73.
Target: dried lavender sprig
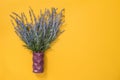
x=41, y=31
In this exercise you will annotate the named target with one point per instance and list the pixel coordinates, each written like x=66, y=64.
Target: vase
x=38, y=62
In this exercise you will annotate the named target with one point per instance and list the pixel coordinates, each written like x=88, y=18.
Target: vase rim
x=38, y=52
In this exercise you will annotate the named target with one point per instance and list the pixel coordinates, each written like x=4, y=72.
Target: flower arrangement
x=38, y=33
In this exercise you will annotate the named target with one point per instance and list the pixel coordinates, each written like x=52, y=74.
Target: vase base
x=36, y=71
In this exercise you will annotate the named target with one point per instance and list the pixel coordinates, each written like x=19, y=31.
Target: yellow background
x=89, y=49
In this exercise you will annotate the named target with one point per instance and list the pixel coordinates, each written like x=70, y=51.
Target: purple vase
x=38, y=62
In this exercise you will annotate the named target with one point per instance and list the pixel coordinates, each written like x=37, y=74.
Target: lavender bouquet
x=38, y=33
